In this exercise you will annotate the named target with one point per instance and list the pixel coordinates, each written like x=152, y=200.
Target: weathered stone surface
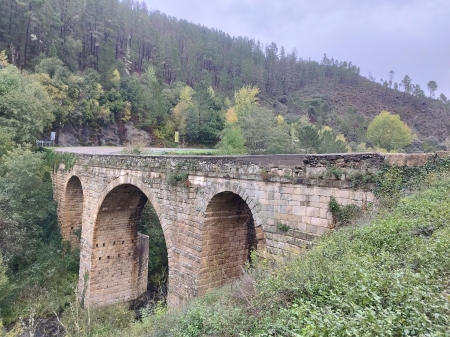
x=134, y=135
x=212, y=210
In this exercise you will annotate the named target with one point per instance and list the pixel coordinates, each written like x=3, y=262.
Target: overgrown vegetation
x=175, y=178
x=86, y=322
x=343, y=214
x=150, y=225
x=41, y=269
x=283, y=227
x=332, y=172
x=384, y=278
x=393, y=181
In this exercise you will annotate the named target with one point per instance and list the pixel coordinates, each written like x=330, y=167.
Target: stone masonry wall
x=228, y=235
x=211, y=209
x=116, y=252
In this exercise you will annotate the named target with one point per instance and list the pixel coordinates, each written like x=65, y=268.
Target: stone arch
x=128, y=179
x=72, y=210
x=119, y=254
x=235, y=188
x=131, y=180
x=229, y=233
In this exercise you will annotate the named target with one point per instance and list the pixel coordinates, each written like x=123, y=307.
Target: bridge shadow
x=229, y=236
x=73, y=211
x=120, y=253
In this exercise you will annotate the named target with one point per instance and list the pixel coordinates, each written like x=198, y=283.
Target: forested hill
x=104, y=61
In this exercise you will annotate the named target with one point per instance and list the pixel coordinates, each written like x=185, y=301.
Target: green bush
x=44, y=285
x=175, y=178
x=283, y=227
x=343, y=215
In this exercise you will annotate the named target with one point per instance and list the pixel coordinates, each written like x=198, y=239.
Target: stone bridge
x=213, y=211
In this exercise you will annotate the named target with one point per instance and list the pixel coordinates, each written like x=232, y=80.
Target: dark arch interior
x=120, y=256
x=158, y=264
x=73, y=211
x=228, y=237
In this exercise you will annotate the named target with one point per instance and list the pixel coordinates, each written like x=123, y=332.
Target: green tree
x=27, y=211
x=432, y=86
x=329, y=143
x=204, y=119
x=61, y=85
x=391, y=77
x=308, y=137
x=389, y=132
x=232, y=141
x=406, y=82
x=150, y=225
x=263, y=134
x=3, y=282
x=417, y=91
x=25, y=107
x=25, y=187
x=6, y=143
x=3, y=278
x=353, y=125
x=155, y=105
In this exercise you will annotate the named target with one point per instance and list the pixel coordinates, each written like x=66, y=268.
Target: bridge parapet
x=296, y=169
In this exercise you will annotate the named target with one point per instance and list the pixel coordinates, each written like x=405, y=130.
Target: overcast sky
x=408, y=36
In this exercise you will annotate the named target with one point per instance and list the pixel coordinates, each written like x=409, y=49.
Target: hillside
x=93, y=59
x=425, y=116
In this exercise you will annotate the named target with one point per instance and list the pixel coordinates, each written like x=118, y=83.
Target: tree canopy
x=25, y=107
x=389, y=132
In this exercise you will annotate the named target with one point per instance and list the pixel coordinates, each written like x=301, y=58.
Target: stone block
x=320, y=222
x=312, y=212
x=397, y=159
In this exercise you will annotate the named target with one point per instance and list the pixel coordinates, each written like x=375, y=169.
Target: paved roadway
x=117, y=150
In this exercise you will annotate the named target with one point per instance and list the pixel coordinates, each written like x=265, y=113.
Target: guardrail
x=42, y=143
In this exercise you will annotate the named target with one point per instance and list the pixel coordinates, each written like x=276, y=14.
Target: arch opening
x=158, y=262
x=73, y=211
x=229, y=236
x=120, y=252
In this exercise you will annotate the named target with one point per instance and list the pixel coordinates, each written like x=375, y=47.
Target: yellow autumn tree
x=3, y=59
x=115, y=78
x=244, y=99
x=389, y=132
x=178, y=116
x=186, y=95
x=231, y=116
x=280, y=120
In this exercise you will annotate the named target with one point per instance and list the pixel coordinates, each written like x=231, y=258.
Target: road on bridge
x=118, y=150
